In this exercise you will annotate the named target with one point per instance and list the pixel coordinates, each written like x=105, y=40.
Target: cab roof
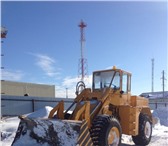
x=113, y=69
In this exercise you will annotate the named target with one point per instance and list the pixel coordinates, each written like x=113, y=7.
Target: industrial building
x=27, y=89
x=159, y=96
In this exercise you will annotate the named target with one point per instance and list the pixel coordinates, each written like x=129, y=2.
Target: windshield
x=106, y=79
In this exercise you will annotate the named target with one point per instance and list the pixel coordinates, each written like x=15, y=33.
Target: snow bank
x=9, y=125
x=162, y=115
x=41, y=113
x=8, y=130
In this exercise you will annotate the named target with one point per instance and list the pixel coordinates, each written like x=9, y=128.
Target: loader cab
x=115, y=79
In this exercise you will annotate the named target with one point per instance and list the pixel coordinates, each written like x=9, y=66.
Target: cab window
x=124, y=83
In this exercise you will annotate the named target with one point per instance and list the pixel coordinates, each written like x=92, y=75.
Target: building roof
x=158, y=94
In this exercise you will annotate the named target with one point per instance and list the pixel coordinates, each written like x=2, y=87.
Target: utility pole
x=66, y=92
x=163, y=81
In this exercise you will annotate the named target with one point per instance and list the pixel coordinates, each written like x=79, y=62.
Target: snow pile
x=41, y=113
x=162, y=115
x=8, y=130
x=126, y=139
x=159, y=137
x=9, y=126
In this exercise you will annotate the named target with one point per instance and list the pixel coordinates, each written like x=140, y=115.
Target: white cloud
x=69, y=81
x=12, y=75
x=47, y=64
x=69, y=85
x=60, y=91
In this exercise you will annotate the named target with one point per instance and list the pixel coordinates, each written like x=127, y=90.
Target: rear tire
x=145, y=131
x=106, y=131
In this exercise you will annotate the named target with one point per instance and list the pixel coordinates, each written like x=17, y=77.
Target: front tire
x=106, y=131
x=145, y=131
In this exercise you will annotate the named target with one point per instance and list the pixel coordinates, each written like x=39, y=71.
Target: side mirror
x=121, y=92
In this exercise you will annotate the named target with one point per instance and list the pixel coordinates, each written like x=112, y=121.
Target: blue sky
x=43, y=41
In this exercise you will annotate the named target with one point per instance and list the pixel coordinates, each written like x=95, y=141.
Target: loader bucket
x=52, y=132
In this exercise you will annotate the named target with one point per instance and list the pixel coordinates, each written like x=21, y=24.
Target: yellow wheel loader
x=99, y=116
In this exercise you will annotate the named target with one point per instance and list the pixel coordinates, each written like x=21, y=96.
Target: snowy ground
x=159, y=136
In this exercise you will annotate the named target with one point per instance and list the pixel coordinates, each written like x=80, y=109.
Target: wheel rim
x=113, y=137
x=147, y=129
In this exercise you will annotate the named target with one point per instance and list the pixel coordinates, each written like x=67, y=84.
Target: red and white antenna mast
x=82, y=61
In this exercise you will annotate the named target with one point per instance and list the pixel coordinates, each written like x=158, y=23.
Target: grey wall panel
x=18, y=105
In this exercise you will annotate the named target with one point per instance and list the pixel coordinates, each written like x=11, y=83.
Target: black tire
x=101, y=128
x=145, y=131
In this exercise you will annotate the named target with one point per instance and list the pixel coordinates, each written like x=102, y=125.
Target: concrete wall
x=31, y=89
x=18, y=105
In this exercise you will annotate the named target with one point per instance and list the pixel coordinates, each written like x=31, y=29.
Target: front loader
x=99, y=116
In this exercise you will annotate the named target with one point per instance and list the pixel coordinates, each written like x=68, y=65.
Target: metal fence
x=157, y=105
x=15, y=105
